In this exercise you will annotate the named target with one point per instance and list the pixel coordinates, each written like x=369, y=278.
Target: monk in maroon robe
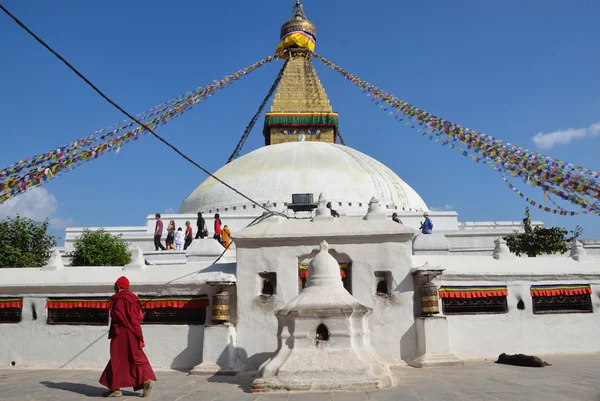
x=128, y=365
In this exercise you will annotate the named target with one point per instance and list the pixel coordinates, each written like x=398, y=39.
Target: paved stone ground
x=573, y=377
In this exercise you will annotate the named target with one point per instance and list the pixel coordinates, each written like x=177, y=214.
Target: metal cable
x=132, y=118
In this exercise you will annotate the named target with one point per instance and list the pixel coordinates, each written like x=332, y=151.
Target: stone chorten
x=324, y=341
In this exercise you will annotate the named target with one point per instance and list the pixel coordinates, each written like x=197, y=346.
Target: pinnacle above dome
x=298, y=22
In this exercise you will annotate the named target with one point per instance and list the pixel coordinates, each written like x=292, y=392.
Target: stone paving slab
x=570, y=378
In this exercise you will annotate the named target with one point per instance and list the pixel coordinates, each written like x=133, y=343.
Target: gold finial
x=298, y=22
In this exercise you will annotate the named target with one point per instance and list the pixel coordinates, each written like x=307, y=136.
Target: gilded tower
x=300, y=109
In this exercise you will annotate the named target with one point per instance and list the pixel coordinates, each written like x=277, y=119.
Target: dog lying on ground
x=522, y=360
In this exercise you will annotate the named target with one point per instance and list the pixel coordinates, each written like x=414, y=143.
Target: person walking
x=188, y=235
x=170, y=241
x=218, y=230
x=158, y=231
x=128, y=365
x=427, y=225
x=179, y=239
x=395, y=218
x=201, y=224
x=226, y=235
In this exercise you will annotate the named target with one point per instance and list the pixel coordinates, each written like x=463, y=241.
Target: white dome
x=271, y=174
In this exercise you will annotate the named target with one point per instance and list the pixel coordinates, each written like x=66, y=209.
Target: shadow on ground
x=83, y=389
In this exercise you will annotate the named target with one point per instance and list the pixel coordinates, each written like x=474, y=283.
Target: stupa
x=324, y=341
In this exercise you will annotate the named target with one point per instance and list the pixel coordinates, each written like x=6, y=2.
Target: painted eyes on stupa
x=295, y=131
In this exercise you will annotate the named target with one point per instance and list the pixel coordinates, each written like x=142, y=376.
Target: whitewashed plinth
x=218, y=351
x=432, y=343
x=346, y=361
x=431, y=244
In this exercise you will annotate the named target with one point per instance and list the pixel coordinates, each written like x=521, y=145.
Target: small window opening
x=33, y=312
x=235, y=208
x=349, y=204
x=340, y=203
x=269, y=283
x=274, y=204
x=384, y=282
x=253, y=206
x=322, y=333
x=226, y=209
x=244, y=207
x=382, y=288
x=360, y=205
x=521, y=305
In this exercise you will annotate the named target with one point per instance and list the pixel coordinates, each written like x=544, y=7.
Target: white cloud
x=563, y=137
x=37, y=204
x=445, y=207
x=59, y=222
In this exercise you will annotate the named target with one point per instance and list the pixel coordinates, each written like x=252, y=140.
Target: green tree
x=24, y=242
x=99, y=248
x=540, y=240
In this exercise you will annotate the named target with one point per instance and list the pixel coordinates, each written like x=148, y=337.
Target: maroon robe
x=128, y=365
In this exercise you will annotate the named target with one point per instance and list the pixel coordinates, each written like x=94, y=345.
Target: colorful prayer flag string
x=32, y=172
x=575, y=182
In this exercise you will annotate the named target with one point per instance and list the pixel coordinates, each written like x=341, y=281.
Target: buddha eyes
x=295, y=131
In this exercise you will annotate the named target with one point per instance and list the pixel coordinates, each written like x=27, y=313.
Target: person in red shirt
x=188, y=235
x=218, y=230
x=128, y=365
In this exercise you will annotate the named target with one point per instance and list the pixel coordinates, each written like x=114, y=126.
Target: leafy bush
x=99, y=248
x=24, y=242
x=540, y=240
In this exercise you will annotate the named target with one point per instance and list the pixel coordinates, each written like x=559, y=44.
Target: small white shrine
x=324, y=341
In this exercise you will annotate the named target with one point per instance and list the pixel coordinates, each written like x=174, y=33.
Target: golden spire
x=300, y=109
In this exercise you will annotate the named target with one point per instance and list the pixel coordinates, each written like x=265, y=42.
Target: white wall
x=522, y=332
x=519, y=331
x=34, y=343
x=392, y=322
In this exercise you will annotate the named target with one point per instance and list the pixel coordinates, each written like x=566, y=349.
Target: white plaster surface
x=219, y=355
x=519, y=331
x=343, y=361
x=34, y=343
x=272, y=173
x=278, y=245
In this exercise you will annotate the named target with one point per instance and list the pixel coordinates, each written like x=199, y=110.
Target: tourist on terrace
x=201, y=224
x=334, y=212
x=179, y=239
x=395, y=218
x=218, y=231
x=128, y=365
x=170, y=241
x=427, y=225
x=226, y=236
x=188, y=235
x=158, y=231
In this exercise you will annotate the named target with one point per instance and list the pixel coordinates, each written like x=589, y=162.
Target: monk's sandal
x=147, y=388
x=113, y=393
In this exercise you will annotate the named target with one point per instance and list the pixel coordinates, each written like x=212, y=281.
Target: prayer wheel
x=220, y=309
x=429, y=299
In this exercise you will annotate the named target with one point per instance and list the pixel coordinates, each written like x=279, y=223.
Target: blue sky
x=510, y=69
